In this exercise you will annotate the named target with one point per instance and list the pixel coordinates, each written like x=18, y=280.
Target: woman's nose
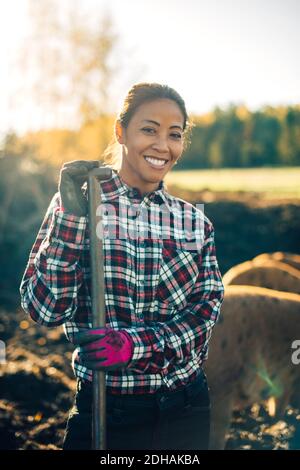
x=161, y=144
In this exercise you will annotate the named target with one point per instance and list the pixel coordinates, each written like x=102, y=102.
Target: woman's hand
x=104, y=348
x=72, y=176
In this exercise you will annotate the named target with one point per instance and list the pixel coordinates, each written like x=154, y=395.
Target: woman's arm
x=174, y=342
x=53, y=275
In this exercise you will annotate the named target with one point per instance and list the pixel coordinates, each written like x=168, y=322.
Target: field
x=283, y=182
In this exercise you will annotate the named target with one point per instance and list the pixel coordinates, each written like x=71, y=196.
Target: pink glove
x=104, y=348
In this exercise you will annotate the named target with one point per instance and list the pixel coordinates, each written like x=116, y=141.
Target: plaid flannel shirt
x=161, y=287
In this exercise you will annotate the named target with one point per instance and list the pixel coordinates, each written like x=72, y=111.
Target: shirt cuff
x=142, y=348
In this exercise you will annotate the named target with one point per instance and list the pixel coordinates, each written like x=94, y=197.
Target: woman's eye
x=148, y=129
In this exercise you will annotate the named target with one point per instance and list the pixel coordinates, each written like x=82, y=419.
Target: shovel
x=98, y=298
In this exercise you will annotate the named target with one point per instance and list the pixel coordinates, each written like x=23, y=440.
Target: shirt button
x=162, y=399
x=142, y=282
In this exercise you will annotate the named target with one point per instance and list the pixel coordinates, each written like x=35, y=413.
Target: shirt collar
x=115, y=187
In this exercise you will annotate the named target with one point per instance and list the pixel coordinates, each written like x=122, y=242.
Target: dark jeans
x=160, y=421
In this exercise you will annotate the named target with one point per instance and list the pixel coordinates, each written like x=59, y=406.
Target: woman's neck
x=143, y=188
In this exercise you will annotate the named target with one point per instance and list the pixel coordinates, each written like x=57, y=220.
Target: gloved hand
x=104, y=348
x=72, y=176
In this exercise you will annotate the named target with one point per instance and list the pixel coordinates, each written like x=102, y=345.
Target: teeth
x=155, y=161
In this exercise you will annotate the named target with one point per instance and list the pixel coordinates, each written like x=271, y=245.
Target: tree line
x=236, y=137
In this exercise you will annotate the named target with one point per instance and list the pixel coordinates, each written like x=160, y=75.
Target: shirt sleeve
x=178, y=340
x=53, y=274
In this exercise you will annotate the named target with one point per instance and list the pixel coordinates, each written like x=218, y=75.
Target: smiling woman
x=163, y=290
x=149, y=152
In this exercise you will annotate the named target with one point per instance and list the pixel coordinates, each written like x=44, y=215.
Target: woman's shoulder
x=53, y=205
x=55, y=202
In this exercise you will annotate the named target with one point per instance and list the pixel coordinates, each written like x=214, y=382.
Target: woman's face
x=152, y=143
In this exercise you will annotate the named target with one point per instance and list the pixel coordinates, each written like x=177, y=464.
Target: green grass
x=275, y=182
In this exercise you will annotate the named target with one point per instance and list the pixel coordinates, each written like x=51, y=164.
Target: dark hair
x=139, y=94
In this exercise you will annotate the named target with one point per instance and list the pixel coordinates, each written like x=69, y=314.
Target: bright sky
x=213, y=52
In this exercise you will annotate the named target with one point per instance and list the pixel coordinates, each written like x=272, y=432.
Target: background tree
x=69, y=62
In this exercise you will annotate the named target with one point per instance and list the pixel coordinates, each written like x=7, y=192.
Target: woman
x=163, y=288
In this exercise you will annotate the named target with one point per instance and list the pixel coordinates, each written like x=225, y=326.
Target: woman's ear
x=119, y=132
x=178, y=159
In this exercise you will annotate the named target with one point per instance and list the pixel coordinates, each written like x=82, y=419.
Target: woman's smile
x=156, y=163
